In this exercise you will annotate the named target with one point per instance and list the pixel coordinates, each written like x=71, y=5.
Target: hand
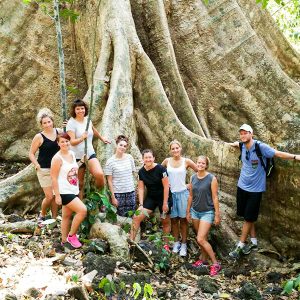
x=188, y=186
x=165, y=208
x=188, y=217
x=114, y=202
x=105, y=140
x=297, y=157
x=84, y=135
x=217, y=220
x=64, y=123
x=82, y=160
x=58, y=200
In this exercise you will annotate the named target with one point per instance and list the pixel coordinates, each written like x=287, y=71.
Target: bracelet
x=141, y=204
x=294, y=156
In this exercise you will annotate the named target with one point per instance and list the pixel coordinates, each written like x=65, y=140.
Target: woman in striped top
x=119, y=170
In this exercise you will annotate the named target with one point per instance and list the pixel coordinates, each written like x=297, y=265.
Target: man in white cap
x=251, y=185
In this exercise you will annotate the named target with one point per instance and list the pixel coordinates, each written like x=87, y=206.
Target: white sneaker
x=176, y=247
x=183, y=250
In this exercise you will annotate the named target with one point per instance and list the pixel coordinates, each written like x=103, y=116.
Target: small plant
x=147, y=291
x=75, y=278
x=290, y=285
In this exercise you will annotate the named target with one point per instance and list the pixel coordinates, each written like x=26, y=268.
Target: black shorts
x=67, y=198
x=92, y=156
x=153, y=201
x=248, y=204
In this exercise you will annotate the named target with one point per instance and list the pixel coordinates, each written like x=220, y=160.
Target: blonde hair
x=174, y=142
x=44, y=113
x=206, y=160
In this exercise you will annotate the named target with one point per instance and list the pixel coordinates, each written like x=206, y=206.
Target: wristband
x=294, y=156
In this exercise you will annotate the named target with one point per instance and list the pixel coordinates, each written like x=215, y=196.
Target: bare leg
x=175, y=228
x=80, y=210
x=81, y=172
x=183, y=229
x=166, y=227
x=203, y=256
x=136, y=222
x=65, y=222
x=97, y=172
x=252, y=231
x=247, y=227
x=49, y=202
x=202, y=240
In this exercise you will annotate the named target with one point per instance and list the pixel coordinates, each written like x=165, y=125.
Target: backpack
x=270, y=163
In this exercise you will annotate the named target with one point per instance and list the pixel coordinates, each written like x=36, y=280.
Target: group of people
x=61, y=165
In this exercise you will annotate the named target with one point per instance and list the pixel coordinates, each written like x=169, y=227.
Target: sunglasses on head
x=247, y=155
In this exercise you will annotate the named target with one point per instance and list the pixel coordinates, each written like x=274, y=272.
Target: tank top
x=46, y=151
x=68, y=176
x=202, y=198
x=177, y=177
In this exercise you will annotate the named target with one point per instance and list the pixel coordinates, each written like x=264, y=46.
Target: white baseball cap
x=246, y=127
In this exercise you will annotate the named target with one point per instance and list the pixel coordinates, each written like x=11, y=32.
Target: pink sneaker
x=215, y=269
x=167, y=248
x=200, y=263
x=73, y=240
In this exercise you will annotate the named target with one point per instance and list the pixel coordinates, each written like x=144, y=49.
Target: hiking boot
x=40, y=221
x=248, y=248
x=183, y=250
x=176, y=247
x=73, y=240
x=236, y=253
x=167, y=248
x=215, y=269
x=200, y=263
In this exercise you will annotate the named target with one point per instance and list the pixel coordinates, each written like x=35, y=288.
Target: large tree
x=165, y=69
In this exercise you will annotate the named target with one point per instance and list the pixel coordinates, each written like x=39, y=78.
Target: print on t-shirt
x=72, y=176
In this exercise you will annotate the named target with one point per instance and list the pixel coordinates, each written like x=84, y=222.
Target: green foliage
x=75, y=278
x=147, y=291
x=65, y=11
x=108, y=286
x=290, y=285
x=96, y=201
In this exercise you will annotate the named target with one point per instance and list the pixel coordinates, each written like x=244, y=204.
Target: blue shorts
x=180, y=200
x=207, y=216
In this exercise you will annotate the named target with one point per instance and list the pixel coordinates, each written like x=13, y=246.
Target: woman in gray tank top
x=203, y=209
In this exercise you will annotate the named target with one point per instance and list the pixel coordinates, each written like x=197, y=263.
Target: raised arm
x=214, y=194
x=35, y=144
x=234, y=144
x=285, y=155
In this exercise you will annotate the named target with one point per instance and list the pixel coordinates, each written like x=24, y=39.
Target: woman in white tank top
x=64, y=174
x=177, y=167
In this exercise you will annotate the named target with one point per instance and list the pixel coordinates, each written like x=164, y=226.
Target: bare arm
x=191, y=164
x=165, y=162
x=214, y=193
x=189, y=204
x=166, y=185
x=75, y=141
x=114, y=201
x=99, y=136
x=234, y=144
x=54, y=172
x=141, y=191
x=35, y=144
x=285, y=155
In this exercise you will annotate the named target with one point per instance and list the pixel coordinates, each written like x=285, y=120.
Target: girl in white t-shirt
x=119, y=170
x=76, y=128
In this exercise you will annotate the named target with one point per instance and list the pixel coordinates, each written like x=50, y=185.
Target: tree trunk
x=184, y=70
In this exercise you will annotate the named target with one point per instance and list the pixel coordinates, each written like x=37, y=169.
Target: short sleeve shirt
x=79, y=129
x=253, y=175
x=153, y=179
x=121, y=171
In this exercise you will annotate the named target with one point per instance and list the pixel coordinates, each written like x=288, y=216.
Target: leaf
x=145, y=213
x=297, y=282
x=224, y=296
x=111, y=216
x=288, y=288
x=103, y=282
x=127, y=227
x=136, y=290
x=148, y=290
x=130, y=213
x=107, y=289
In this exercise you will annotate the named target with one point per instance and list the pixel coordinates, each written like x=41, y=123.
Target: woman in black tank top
x=45, y=142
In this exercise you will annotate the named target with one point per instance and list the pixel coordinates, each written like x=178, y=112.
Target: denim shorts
x=207, y=216
x=180, y=200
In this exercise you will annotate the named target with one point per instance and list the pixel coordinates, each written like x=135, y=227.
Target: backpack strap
x=241, y=147
x=260, y=156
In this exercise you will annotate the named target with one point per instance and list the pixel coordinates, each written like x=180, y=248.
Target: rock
x=249, y=292
x=14, y=218
x=232, y=271
x=103, y=264
x=150, y=249
x=197, y=271
x=10, y=297
x=207, y=285
x=68, y=261
x=34, y=293
x=130, y=278
x=79, y=293
x=97, y=246
x=274, y=277
x=273, y=290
